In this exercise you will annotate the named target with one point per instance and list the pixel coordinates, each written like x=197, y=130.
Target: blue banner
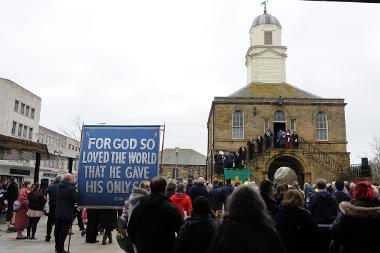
x=113, y=160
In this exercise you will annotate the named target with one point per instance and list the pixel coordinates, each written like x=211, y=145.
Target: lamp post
x=176, y=162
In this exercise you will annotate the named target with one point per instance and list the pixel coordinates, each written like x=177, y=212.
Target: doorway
x=277, y=126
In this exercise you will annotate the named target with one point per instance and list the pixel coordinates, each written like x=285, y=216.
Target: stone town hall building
x=269, y=102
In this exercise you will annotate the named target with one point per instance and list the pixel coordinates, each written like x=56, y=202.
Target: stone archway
x=287, y=161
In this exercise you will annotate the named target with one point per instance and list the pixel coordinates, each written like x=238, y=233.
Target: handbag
x=16, y=205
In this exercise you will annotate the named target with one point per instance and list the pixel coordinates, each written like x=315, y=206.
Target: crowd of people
x=333, y=217
x=216, y=217
x=255, y=147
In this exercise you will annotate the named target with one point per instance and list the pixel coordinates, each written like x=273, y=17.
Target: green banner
x=237, y=175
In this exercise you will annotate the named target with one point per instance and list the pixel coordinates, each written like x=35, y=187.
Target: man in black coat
x=154, y=222
x=216, y=196
x=323, y=205
x=67, y=196
x=52, y=192
x=199, y=189
x=12, y=194
x=324, y=208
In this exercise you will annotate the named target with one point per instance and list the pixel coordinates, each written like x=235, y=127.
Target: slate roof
x=185, y=157
x=271, y=90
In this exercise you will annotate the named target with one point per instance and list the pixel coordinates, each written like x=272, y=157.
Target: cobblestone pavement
x=8, y=243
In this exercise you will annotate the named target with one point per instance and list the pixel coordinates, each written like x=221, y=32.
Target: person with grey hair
x=66, y=198
x=247, y=226
x=52, y=193
x=182, y=201
x=138, y=194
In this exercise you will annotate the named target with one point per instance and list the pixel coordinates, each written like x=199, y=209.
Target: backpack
x=16, y=205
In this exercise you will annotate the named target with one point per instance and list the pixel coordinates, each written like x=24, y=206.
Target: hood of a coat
x=137, y=194
x=359, y=211
x=178, y=197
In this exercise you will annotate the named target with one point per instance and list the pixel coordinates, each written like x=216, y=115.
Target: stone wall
x=304, y=114
x=184, y=171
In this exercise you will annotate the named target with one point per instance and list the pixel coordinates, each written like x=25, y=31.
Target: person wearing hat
x=355, y=229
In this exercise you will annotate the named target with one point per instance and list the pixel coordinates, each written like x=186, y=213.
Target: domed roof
x=265, y=19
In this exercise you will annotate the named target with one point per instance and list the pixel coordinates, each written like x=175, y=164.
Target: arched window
x=279, y=116
x=237, y=125
x=322, y=126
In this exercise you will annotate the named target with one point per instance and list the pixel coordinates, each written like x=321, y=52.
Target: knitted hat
x=363, y=191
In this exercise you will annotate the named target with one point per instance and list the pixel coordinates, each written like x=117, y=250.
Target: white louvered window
x=268, y=38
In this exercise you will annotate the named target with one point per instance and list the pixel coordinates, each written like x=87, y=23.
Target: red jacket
x=183, y=203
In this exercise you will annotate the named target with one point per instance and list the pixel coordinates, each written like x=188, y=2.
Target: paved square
x=9, y=244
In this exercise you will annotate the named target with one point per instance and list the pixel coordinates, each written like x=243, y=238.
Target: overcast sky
x=150, y=61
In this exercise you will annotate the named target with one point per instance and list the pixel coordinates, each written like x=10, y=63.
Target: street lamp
x=176, y=162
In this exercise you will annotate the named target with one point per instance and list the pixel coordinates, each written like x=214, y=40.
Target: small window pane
x=279, y=116
x=237, y=125
x=25, y=131
x=22, y=108
x=322, y=126
x=293, y=124
x=266, y=124
x=16, y=106
x=32, y=113
x=14, y=126
x=19, y=132
x=30, y=133
x=27, y=111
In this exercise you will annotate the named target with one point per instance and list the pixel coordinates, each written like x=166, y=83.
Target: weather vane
x=265, y=6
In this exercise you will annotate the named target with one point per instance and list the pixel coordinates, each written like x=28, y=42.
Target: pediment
x=269, y=52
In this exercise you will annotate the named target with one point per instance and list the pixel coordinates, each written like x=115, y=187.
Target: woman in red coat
x=182, y=201
x=21, y=219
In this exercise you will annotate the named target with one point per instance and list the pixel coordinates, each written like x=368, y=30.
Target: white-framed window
x=14, y=126
x=32, y=113
x=268, y=38
x=266, y=124
x=322, y=126
x=22, y=108
x=293, y=125
x=238, y=125
x=16, y=105
x=279, y=116
x=30, y=133
x=19, y=132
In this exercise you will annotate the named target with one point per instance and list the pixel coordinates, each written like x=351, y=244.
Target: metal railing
x=327, y=161
x=360, y=171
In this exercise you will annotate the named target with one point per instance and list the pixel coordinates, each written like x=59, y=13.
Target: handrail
x=322, y=156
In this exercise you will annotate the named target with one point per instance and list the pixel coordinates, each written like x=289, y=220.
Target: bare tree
x=75, y=131
x=375, y=161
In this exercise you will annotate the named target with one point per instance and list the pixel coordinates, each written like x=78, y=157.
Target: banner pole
x=162, y=150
